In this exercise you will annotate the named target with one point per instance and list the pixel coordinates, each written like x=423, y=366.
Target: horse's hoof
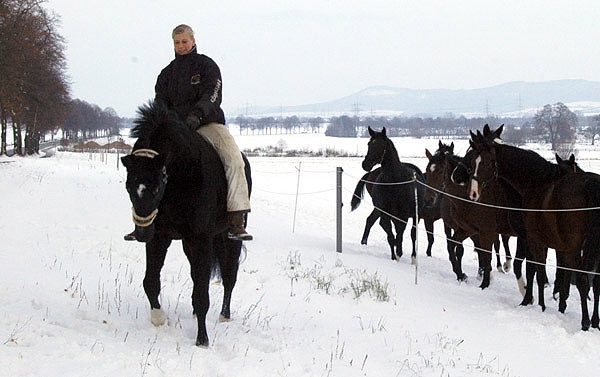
x=585, y=326
x=223, y=318
x=507, y=266
x=428, y=253
x=363, y=242
x=202, y=343
x=462, y=277
x=500, y=269
x=158, y=317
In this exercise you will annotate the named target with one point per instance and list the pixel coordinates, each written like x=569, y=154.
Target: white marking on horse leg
x=158, y=317
x=413, y=260
x=222, y=318
x=521, y=284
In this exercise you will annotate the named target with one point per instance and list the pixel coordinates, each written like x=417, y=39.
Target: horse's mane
x=156, y=123
x=532, y=160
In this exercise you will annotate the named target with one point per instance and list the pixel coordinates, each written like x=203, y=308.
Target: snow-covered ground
x=72, y=302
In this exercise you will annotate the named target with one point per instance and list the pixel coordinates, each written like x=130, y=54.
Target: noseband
x=144, y=221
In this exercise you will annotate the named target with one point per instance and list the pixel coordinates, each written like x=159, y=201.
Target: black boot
x=130, y=236
x=237, y=230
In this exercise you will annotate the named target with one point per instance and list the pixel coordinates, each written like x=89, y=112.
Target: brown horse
x=551, y=199
x=482, y=224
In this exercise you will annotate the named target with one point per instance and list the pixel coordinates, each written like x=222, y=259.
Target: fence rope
x=479, y=203
x=478, y=248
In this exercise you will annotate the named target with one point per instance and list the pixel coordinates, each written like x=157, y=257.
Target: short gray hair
x=183, y=28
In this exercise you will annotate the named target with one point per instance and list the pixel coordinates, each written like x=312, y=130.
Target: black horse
x=394, y=190
x=177, y=186
x=429, y=214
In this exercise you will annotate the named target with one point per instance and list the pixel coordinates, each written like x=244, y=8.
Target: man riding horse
x=191, y=86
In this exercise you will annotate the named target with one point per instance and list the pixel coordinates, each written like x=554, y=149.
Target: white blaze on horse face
x=140, y=190
x=474, y=192
x=432, y=168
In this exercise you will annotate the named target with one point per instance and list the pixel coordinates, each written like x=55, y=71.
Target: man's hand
x=192, y=121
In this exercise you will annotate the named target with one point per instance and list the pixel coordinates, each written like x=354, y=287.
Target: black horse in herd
x=177, y=186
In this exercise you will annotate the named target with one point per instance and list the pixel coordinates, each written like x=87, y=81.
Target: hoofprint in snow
x=73, y=303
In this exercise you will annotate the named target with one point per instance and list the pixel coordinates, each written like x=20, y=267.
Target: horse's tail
x=359, y=192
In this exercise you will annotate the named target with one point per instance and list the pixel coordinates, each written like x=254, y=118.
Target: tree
x=33, y=84
x=555, y=124
x=593, y=129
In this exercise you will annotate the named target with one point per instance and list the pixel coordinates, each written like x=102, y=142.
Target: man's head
x=183, y=39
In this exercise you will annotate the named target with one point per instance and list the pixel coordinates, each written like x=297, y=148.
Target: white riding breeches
x=237, y=188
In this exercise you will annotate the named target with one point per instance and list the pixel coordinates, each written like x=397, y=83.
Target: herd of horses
x=494, y=192
x=177, y=187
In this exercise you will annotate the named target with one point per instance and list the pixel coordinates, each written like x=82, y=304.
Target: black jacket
x=191, y=84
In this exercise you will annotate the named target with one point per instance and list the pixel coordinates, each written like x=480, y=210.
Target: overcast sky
x=278, y=52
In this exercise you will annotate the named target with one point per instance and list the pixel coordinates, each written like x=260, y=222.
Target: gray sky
x=279, y=52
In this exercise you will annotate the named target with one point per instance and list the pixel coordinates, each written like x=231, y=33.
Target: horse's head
x=146, y=181
x=568, y=166
x=378, y=145
x=436, y=171
x=479, y=164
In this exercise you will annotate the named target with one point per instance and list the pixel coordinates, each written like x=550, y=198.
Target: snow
x=73, y=304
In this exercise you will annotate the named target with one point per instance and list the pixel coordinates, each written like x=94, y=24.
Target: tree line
x=34, y=87
x=554, y=124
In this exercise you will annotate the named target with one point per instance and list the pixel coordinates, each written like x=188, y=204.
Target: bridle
x=144, y=221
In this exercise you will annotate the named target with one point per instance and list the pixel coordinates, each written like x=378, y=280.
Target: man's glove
x=193, y=122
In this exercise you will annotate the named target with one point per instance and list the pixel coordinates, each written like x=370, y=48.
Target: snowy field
x=73, y=304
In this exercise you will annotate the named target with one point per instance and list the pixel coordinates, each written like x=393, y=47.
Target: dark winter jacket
x=191, y=84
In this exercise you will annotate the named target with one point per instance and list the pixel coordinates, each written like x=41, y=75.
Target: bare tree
x=555, y=124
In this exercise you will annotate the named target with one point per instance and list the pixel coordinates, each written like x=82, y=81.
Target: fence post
x=296, y=202
x=416, y=225
x=338, y=204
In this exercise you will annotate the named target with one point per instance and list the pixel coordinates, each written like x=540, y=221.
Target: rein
x=138, y=220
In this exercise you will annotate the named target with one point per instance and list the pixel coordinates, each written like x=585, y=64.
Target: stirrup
x=240, y=237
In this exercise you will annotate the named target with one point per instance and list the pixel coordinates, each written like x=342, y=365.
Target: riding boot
x=130, y=236
x=237, y=230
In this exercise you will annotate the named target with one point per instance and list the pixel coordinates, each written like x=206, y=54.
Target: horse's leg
x=544, y=276
x=368, y=225
x=533, y=254
x=228, y=254
x=400, y=226
x=156, y=250
x=429, y=229
x=496, y=245
x=200, y=254
x=452, y=254
x=487, y=241
x=520, y=256
x=386, y=224
x=595, y=315
x=456, y=240
x=507, y=256
x=413, y=237
x=583, y=286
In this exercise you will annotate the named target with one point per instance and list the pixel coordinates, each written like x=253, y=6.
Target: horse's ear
x=499, y=131
x=486, y=130
x=440, y=145
x=558, y=159
x=572, y=158
x=428, y=154
x=383, y=131
x=472, y=135
x=371, y=132
x=452, y=147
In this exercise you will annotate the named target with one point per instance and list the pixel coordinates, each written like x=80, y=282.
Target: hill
x=511, y=98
